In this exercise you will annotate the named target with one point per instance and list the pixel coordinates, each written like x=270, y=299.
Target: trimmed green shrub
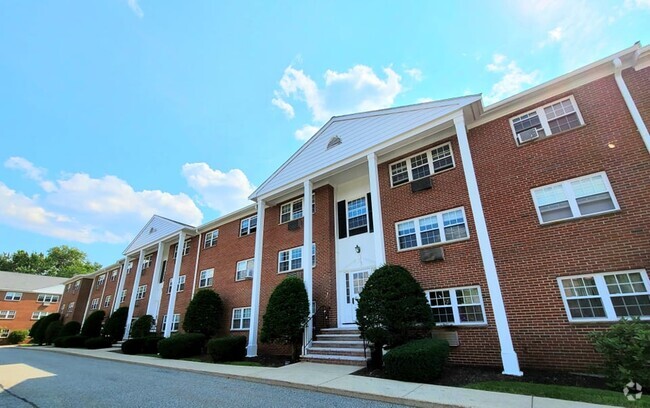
x=133, y=346
x=231, y=348
x=417, y=361
x=77, y=341
x=53, y=331
x=626, y=350
x=393, y=309
x=93, y=324
x=141, y=327
x=181, y=345
x=203, y=315
x=286, y=315
x=17, y=336
x=150, y=345
x=116, y=324
x=38, y=336
x=34, y=329
x=70, y=329
x=94, y=343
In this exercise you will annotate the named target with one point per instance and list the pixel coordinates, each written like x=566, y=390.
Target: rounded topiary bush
x=116, y=324
x=53, y=331
x=133, y=346
x=38, y=329
x=94, y=343
x=203, y=314
x=141, y=327
x=70, y=329
x=93, y=324
x=231, y=348
x=17, y=336
x=418, y=361
x=150, y=345
x=77, y=341
x=181, y=345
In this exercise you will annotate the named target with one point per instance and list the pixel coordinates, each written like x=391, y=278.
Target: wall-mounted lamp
x=357, y=249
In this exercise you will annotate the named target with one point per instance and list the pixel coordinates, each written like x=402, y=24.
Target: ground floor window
x=241, y=318
x=38, y=315
x=457, y=306
x=606, y=296
x=95, y=304
x=206, y=278
x=4, y=333
x=7, y=314
x=107, y=301
x=175, y=322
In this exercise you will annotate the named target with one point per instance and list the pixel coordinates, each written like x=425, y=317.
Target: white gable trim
x=157, y=229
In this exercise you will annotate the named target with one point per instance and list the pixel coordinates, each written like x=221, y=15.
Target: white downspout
x=629, y=101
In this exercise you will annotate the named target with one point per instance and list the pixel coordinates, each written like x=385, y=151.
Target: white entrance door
x=352, y=284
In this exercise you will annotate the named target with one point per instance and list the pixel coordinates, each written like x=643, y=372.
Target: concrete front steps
x=336, y=346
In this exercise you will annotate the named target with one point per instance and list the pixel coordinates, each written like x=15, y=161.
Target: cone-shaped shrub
x=70, y=329
x=142, y=327
x=203, y=314
x=93, y=324
x=116, y=324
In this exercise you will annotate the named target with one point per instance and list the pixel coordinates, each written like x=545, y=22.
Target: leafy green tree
x=286, y=315
x=93, y=324
x=39, y=328
x=61, y=261
x=393, y=309
x=203, y=314
x=53, y=331
x=116, y=324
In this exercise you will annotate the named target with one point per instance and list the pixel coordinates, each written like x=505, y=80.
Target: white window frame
x=47, y=298
x=142, y=292
x=541, y=114
x=7, y=314
x=113, y=275
x=246, y=226
x=290, y=252
x=94, y=305
x=455, y=306
x=123, y=296
x=240, y=320
x=146, y=262
x=186, y=248
x=603, y=294
x=407, y=161
x=211, y=238
x=292, y=203
x=571, y=198
x=180, y=286
x=206, y=278
x=441, y=227
x=37, y=315
x=129, y=267
x=71, y=307
x=13, y=296
x=241, y=268
x=176, y=323
x=107, y=300
x=101, y=279
x=4, y=333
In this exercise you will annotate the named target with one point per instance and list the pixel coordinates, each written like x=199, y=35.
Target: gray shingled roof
x=25, y=282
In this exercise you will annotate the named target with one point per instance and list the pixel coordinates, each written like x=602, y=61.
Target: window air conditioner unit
x=294, y=225
x=528, y=135
x=46, y=304
x=421, y=184
x=248, y=274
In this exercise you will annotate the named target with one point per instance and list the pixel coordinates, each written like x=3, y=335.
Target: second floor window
x=211, y=238
x=248, y=226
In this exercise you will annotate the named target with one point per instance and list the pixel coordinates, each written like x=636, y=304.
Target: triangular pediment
x=156, y=229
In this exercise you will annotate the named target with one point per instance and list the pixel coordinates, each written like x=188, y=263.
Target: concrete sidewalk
x=337, y=379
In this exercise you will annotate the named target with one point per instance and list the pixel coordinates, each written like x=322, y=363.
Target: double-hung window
x=445, y=226
x=45, y=298
x=457, y=306
x=422, y=165
x=107, y=301
x=291, y=259
x=13, y=296
x=142, y=291
x=606, y=296
x=206, y=277
x=7, y=314
x=176, y=322
x=4, y=333
x=357, y=216
x=241, y=318
x=575, y=198
x=123, y=296
x=546, y=120
x=101, y=279
x=95, y=304
x=248, y=226
x=244, y=269
x=113, y=275
x=129, y=267
x=146, y=262
x=186, y=248
x=211, y=238
x=38, y=315
x=293, y=209
x=179, y=287
x=71, y=307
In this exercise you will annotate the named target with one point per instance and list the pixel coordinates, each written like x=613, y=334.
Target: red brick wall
x=111, y=290
x=530, y=256
x=79, y=297
x=637, y=84
x=462, y=265
x=24, y=309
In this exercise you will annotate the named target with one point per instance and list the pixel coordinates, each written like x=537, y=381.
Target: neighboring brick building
x=25, y=298
x=526, y=222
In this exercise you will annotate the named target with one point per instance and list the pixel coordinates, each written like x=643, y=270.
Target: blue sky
x=113, y=110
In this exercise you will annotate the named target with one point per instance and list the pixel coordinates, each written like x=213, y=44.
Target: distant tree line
x=61, y=261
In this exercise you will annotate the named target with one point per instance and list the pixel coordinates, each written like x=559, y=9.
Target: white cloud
x=423, y=100
x=224, y=192
x=284, y=106
x=135, y=7
x=305, y=132
x=81, y=208
x=357, y=89
x=637, y=4
x=513, y=80
x=555, y=34
x=415, y=73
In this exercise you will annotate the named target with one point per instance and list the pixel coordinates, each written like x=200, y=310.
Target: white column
x=134, y=293
x=154, y=298
x=172, y=296
x=631, y=106
x=508, y=354
x=195, y=283
x=307, y=271
x=380, y=249
x=257, y=278
x=120, y=284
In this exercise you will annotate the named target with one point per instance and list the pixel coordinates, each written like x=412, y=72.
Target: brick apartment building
x=25, y=298
x=526, y=222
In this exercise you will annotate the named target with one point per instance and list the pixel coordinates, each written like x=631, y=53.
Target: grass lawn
x=592, y=395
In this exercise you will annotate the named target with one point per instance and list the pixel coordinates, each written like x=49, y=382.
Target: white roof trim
x=157, y=229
